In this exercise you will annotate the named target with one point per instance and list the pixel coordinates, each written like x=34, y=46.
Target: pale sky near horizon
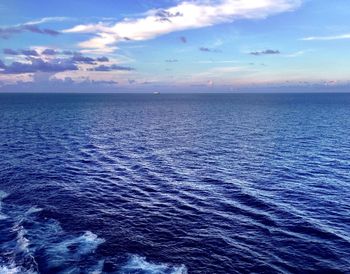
x=174, y=45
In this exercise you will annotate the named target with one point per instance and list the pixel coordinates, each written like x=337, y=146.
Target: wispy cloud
x=327, y=38
x=296, y=54
x=185, y=15
x=265, y=52
x=46, y=20
x=31, y=26
x=7, y=32
x=111, y=68
x=171, y=61
x=204, y=49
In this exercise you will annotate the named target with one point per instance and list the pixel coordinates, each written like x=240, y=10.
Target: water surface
x=174, y=183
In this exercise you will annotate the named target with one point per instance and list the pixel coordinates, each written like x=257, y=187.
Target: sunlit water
x=174, y=183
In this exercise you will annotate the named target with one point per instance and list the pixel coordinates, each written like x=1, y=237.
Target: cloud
x=67, y=52
x=47, y=20
x=50, y=84
x=166, y=16
x=171, y=61
x=102, y=59
x=79, y=58
x=25, y=52
x=2, y=65
x=296, y=54
x=50, y=52
x=39, y=65
x=45, y=60
x=265, y=52
x=10, y=52
x=204, y=49
x=111, y=68
x=30, y=52
x=327, y=38
x=7, y=32
x=183, y=39
x=185, y=15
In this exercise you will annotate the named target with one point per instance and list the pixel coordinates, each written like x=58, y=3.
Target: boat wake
x=31, y=243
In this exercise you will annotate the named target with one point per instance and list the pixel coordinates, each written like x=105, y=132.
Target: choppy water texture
x=175, y=183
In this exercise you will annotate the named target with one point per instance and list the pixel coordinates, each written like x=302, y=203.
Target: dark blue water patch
x=175, y=183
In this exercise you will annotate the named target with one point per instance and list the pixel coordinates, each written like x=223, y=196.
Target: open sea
x=174, y=183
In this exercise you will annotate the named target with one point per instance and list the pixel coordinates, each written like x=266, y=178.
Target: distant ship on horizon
x=156, y=92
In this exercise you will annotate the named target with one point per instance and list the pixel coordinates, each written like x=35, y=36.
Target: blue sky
x=174, y=45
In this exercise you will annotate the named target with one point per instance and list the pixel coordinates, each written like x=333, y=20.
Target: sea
x=174, y=183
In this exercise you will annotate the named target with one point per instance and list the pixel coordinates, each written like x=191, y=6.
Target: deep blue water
x=175, y=183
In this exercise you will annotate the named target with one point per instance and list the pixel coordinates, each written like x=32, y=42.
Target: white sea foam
x=98, y=269
x=3, y=195
x=13, y=269
x=22, y=241
x=138, y=264
x=9, y=269
x=73, y=248
x=33, y=210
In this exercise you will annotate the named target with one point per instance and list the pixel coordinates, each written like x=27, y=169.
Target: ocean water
x=101, y=183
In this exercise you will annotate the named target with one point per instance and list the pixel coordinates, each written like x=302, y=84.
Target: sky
x=174, y=45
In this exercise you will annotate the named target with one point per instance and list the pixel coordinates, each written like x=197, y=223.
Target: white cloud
x=46, y=20
x=295, y=54
x=327, y=38
x=185, y=15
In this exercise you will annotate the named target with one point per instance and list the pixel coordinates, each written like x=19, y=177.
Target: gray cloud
x=79, y=58
x=26, y=52
x=7, y=32
x=111, y=68
x=165, y=16
x=183, y=39
x=2, y=65
x=67, y=52
x=29, y=52
x=171, y=60
x=102, y=59
x=265, y=52
x=36, y=63
x=10, y=52
x=58, y=85
x=50, y=52
x=39, y=65
x=204, y=49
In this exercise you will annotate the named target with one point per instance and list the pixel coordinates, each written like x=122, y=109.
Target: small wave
x=138, y=264
x=12, y=269
x=3, y=195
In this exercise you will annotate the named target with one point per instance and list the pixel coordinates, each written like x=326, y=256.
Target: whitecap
x=33, y=210
x=3, y=195
x=22, y=241
x=13, y=269
x=77, y=247
x=138, y=264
